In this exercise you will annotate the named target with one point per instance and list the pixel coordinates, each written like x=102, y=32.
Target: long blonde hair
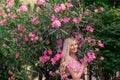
x=65, y=53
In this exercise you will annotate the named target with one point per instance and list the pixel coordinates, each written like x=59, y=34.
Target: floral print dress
x=72, y=63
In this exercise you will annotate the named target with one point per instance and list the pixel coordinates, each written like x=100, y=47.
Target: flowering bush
x=33, y=37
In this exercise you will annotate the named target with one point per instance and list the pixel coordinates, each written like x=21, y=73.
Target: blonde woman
x=70, y=67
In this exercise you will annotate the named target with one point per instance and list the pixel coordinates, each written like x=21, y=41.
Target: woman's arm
x=77, y=76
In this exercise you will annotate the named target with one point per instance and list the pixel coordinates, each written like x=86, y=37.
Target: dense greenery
x=108, y=30
x=17, y=55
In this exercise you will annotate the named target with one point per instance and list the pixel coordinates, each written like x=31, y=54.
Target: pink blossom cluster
x=56, y=58
x=45, y=56
x=4, y=45
x=10, y=72
x=76, y=20
x=17, y=55
x=12, y=15
x=55, y=22
x=88, y=28
x=62, y=7
x=35, y=20
x=89, y=57
x=101, y=58
x=38, y=9
x=78, y=37
x=33, y=37
x=52, y=73
x=1, y=11
x=86, y=12
x=59, y=42
x=65, y=20
x=99, y=9
x=64, y=76
x=22, y=9
x=10, y=78
x=20, y=27
x=9, y=5
x=98, y=42
x=40, y=2
x=3, y=22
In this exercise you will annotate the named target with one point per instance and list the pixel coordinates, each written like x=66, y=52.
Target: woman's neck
x=73, y=55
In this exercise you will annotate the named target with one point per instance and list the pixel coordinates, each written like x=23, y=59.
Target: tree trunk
x=40, y=77
x=101, y=73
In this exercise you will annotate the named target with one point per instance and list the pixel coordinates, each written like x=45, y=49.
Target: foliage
x=108, y=30
x=32, y=37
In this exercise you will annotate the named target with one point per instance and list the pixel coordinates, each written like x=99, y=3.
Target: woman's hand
x=84, y=64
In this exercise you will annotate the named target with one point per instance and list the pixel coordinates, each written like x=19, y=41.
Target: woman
x=70, y=67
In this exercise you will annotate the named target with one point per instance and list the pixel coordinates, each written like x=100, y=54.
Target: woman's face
x=73, y=47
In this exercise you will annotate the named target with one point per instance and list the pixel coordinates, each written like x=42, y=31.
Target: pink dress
x=73, y=64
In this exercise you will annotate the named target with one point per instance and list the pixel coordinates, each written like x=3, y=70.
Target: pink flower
x=20, y=27
x=85, y=59
x=63, y=6
x=49, y=51
x=36, y=38
x=89, y=39
x=50, y=73
x=1, y=11
x=57, y=71
x=57, y=9
x=95, y=10
x=10, y=72
x=69, y=5
x=100, y=43
x=59, y=42
x=38, y=9
x=9, y=5
x=12, y=15
x=76, y=20
x=64, y=76
x=22, y=9
x=54, y=18
x=56, y=24
x=45, y=52
x=78, y=37
x=96, y=49
x=53, y=61
x=10, y=78
x=101, y=58
x=59, y=51
x=44, y=58
x=34, y=20
x=101, y=8
x=31, y=34
x=89, y=28
x=65, y=20
x=17, y=55
x=26, y=38
x=56, y=58
x=3, y=22
x=6, y=39
x=81, y=60
x=41, y=2
x=20, y=34
x=4, y=45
